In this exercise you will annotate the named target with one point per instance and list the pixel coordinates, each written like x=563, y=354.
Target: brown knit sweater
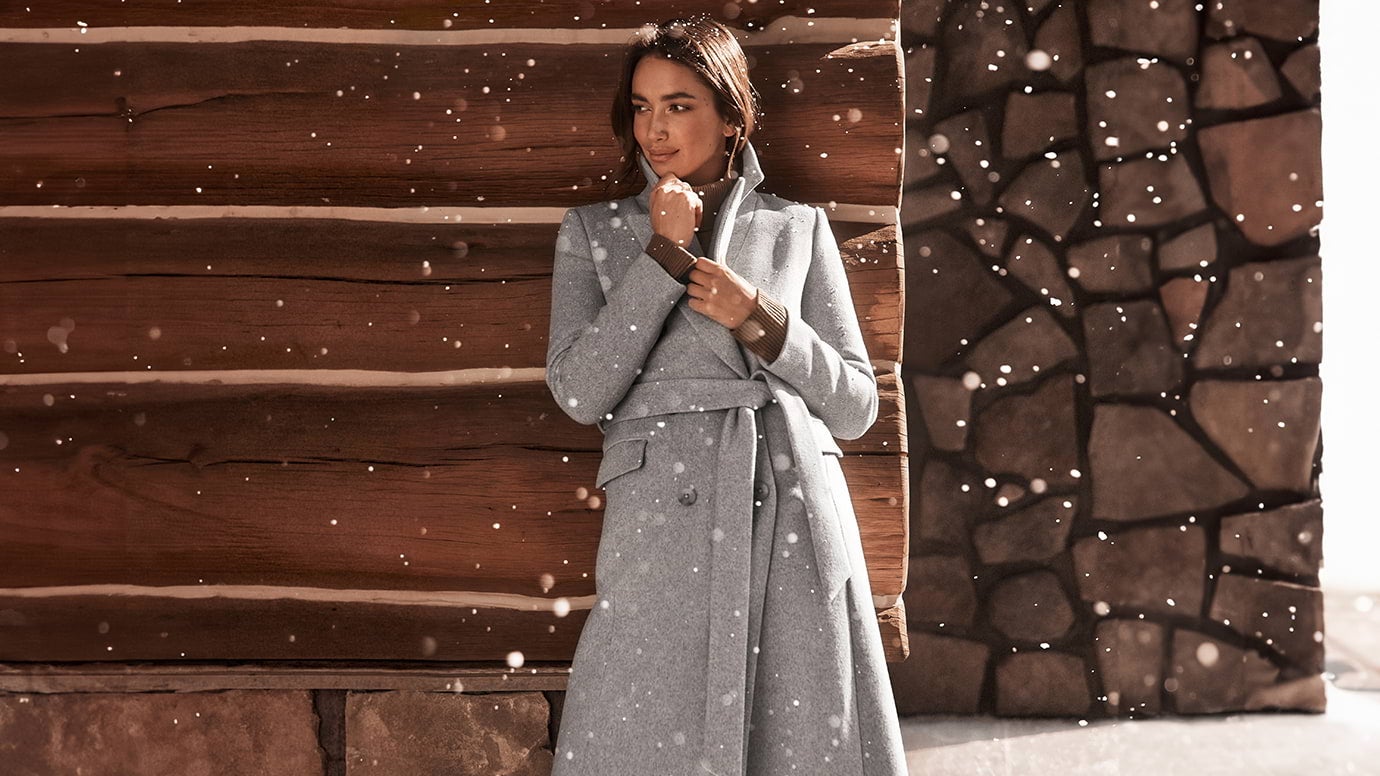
x=764, y=330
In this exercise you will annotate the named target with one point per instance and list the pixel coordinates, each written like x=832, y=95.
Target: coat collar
x=737, y=210
x=743, y=187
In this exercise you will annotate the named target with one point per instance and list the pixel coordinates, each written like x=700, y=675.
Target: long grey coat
x=734, y=631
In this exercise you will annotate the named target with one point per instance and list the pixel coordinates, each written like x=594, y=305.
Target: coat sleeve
x=823, y=356
x=599, y=339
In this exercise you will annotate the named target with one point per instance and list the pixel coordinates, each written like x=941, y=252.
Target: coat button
x=687, y=496
x=760, y=490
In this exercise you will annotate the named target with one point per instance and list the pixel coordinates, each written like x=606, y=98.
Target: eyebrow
x=671, y=96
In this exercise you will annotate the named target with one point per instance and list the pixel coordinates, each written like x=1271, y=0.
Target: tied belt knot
x=731, y=557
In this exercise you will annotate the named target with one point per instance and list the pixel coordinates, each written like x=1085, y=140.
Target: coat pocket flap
x=620, y=457
x=827, y=444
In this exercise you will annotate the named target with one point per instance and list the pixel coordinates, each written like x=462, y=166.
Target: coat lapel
x=738, y=209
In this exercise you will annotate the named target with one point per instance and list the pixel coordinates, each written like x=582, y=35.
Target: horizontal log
x=92, y=295
x=214, y=423
x=98, y=628
x=152, y=628
x=420, y=15
x=293, y=123
x=345, y=489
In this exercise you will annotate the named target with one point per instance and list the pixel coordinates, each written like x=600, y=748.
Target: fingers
x=698, y=275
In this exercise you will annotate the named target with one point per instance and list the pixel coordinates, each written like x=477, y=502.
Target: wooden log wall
x=274, y=286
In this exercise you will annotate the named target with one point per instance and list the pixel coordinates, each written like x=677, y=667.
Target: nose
x=658, y=126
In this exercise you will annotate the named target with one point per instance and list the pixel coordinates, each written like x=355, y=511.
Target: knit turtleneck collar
x=712, y=194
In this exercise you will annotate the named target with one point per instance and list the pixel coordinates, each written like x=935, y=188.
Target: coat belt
x=731, y=557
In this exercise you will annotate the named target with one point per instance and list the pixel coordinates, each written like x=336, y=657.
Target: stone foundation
x=272, y=732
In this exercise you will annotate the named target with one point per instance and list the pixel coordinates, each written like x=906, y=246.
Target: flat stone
x=1058, y=38
x=1149, y=191
x=922, y=164
x=1268, y=428
x=1008, y=493
x=1278, y=306
x=989, y=233
x=1193, y=249
x=944, y=675
x=269, y=732
x=968, y=148
x=951, y=501
x=1260, y=170
x=1212, y=676
x=1144, y=464
x=922, y=17
x=939, y=589
x=1129, y=349
x=1143, y=571
x=1236, y=74
x=1287, y=539
x=1032, y=435
x=1052, y=193
x=1042, y=684
x=1305, y=693
x=1034, y=533
x=454, y=733
x=1030, y=606
x=1021, y=349
x=1183, y=300
x=1303, y=72
x=1034, y=122
x=1135, y=106
x=1288, y=20
x=1286, y=616
x=1117, y=264
x=944, y=405
x=1129, y=656
x=951, y=295
x=973, y=33
x=1166, y=27
x=932, y=203
x=1036, y=266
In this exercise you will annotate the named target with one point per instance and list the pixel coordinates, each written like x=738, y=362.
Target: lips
x=660, y=157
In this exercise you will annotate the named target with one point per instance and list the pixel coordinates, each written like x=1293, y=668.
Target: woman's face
x=673, y=111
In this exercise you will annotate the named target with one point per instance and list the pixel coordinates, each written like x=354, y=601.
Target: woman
x=734, y=631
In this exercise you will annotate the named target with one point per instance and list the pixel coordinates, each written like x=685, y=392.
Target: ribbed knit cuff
x=676, y=260
x=764, y=330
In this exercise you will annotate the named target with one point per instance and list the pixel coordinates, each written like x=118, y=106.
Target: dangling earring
x=731, y=173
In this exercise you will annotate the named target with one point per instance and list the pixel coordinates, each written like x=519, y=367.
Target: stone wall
x=1113, y=329
x=278, y=733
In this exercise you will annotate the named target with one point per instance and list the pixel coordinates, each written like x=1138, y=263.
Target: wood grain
x=291, y=123
x=419, y=15
x=216, y=294
x=228, y=486
x=337, y=488
x=92, y=628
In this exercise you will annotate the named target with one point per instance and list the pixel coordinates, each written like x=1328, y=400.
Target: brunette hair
x=712, y=52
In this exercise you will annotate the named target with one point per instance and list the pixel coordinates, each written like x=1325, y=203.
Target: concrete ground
x=1344, y=740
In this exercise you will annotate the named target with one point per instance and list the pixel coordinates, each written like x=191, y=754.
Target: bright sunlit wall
x=1350, y=282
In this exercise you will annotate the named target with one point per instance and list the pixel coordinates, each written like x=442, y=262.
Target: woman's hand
x=720, y=293
x=676, y=209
